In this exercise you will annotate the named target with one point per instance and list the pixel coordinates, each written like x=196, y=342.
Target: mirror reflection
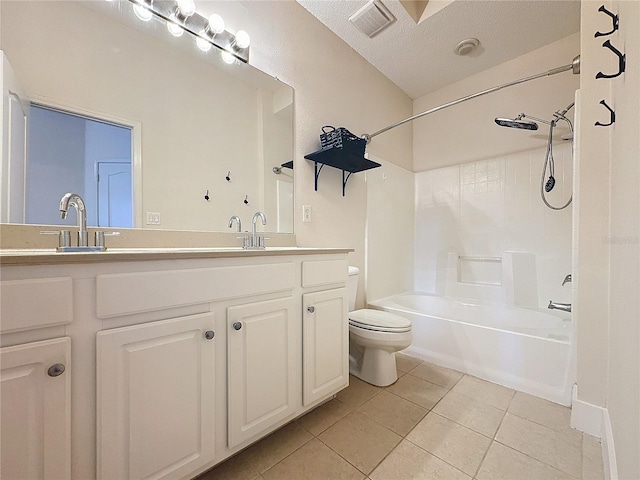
x=149, y=130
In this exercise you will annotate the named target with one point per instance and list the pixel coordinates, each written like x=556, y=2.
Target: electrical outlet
x=153, y=218
x=306, y=213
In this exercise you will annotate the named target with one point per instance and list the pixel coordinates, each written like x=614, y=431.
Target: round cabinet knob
x=209, y=334
x=311, y=309
x=55, y=370
x=237, y=326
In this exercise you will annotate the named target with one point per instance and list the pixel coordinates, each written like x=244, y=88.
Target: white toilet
x=374, y=337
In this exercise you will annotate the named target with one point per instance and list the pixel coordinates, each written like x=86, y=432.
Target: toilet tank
x=352, y=285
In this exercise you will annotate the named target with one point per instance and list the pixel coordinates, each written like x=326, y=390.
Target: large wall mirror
x=151, y=131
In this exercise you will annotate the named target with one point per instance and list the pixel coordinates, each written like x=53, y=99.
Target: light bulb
x=187, y=7
x=203, y=44
x=175, y=29
x=242, y=39
x=216, y=24
x=143, y=13
x=228, y=57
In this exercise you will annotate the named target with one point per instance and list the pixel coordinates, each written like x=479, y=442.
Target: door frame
x=136, y=144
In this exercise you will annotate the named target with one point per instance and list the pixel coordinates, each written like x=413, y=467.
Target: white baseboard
x=595, y=421
x=586, y=417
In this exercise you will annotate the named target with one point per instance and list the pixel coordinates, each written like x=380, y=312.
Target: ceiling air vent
x=372, y=18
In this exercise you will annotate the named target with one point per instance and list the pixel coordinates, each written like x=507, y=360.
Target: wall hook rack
x=611, y=112
x=228, y=177
x=622, y=61
x=615, y=19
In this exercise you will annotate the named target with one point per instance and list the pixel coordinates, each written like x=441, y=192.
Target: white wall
x=333, y=86
x=390, y=231
x=56, y=151
x=487, y=207
x=607, y=237
x=467, y=132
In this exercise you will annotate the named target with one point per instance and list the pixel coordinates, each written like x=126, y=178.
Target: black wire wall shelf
x=341, y=158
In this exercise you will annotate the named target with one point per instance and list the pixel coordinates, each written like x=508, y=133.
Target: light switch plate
x=306, y=213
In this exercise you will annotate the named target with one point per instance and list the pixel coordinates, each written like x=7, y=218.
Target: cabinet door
x=36, y=410
x=155, y=398
x=263, y=348
x=325, y=344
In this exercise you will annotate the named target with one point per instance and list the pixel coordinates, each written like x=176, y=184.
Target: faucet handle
x=261, y=240
x=567, y=279
x=64, y=236
x=99, y=236
x=245, y=241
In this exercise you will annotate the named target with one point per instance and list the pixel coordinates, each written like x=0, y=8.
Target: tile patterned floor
x=433, y=423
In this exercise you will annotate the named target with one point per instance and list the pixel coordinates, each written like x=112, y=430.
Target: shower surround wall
x=488, y=207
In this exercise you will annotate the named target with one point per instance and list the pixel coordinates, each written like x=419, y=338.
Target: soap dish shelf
x=342, y=159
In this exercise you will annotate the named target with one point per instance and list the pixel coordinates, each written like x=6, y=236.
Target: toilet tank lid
x=353, y=270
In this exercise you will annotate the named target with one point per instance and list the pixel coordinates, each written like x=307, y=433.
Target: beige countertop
x=49, y=256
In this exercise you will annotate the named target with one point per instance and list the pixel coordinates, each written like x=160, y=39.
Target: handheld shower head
x=516, y=123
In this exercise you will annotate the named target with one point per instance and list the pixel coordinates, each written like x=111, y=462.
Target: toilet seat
x=379, y=321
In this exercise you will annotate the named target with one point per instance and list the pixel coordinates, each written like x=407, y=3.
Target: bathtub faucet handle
x=567, y=279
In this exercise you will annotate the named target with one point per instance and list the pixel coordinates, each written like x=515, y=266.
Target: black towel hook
x=622, y=61
x=611, y=112
x=615, y=19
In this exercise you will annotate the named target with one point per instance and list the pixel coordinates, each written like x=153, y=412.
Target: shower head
x=516, y=123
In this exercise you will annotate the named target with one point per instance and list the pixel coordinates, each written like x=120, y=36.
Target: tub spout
x=565, y=307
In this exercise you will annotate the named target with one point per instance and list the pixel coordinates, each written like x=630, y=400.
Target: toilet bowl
x=374, y=337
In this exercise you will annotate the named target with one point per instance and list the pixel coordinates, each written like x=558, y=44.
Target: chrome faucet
x=237, y=219
x=565, y=307
x=257, y=241
x=75, y=200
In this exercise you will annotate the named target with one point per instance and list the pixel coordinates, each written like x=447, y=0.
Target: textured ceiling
x=419, y=57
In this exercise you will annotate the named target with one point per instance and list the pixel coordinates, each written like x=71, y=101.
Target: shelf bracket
x=317, y=173
x=344, y=181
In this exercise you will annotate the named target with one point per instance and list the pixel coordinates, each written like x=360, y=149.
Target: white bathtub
x=525, y=349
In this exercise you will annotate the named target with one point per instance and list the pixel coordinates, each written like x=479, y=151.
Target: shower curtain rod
x=574, y=66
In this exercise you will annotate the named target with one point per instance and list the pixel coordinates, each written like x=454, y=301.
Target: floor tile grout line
x=484, y=457
x=350, y=463
x=536, y=459
x=288, y=455
x=546, y=426
x=436, y=456
x=415, y=403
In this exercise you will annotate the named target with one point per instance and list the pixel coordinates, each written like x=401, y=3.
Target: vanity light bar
x=234, y=46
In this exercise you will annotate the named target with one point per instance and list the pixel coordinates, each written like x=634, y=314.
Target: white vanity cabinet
x=325, y=343
x=155, y=398
x=35, y=377
x=325, y=333
x=36, y=410
x=263, y=352
x=179, y=360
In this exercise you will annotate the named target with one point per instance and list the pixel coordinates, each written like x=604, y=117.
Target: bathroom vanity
x=160, y=363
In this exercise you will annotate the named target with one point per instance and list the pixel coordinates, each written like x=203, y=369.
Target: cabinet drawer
x=128, y=293
x=324, y=272
x=35, y=303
